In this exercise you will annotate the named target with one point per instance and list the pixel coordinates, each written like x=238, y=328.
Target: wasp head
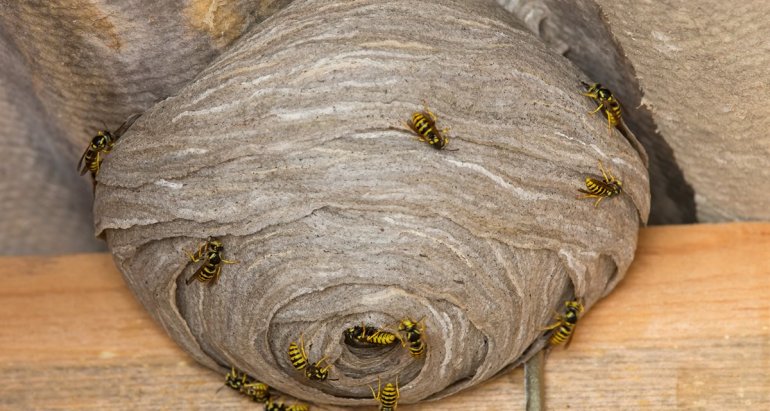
x=408, y=325
x=574, y=306
x=603, y=93
x=215, y=246
x=101, y=140
x=618, y=186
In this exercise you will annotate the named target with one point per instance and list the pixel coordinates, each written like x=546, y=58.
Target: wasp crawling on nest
x=606, y=102
x=601, y=189
x=423, y=123
x=211, y=254
x=100, y=145
x=413, y=336
x=300, y=362
x=565, y=324
x=241, y=382
x=387, y=396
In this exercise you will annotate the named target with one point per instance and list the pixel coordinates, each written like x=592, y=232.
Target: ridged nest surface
x=291, y=148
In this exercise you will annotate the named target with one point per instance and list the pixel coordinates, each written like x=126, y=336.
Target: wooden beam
x=688, y=328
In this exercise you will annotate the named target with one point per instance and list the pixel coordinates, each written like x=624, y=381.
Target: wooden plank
x=689, y=328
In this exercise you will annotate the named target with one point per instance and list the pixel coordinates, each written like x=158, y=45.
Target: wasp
x=236, y=380
x=357, y=334
x=565, y=324
x=369, y=334
x=279, y=406
x=257, y=391
x=601, y=189
x=299, y=361
x=606, y=102
x=274, y=406
x=413, y=333
x=211, y=254
x=423, y=123
x=100, y=145
x=387, y=396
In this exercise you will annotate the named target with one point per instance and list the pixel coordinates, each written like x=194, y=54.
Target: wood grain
x=688, y=328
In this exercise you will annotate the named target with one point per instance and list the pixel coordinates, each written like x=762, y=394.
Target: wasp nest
x=291, y=149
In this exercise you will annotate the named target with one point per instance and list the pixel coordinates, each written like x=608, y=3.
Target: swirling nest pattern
x=291, y=148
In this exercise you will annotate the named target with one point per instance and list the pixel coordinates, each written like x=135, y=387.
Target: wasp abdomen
x=381, y=338
x=387, y=395
x=297, y=356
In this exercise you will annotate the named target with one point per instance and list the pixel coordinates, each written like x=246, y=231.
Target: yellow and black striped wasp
x=413, y=336
x=236, y=380
x=100, y=145
x=606, y=102
x=565, y=324
x=357, y=334
x=387, y=396
x=274, y=406
x=299, y=361
x=423, y=123
x=257, y=391
x=368, y=334
x=279, y=406
x=211, y=254
x=601, y=189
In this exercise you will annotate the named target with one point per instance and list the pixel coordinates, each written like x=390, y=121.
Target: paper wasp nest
x=291, y=149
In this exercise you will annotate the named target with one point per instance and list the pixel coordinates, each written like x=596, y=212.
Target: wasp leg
x=604, y=174
x=599, y=198
x=398, y=394
x=379, y=389
x=411, y=129
x=98, y=161
x=195, y=257
x=302, y=345
x=601, y=106
x=427, y=110
x=192, y=257
x=552, y=326
x=421, y=324
x=608, y=177
x=328, y=366
x=243, y=379
x=230, y=261
x=403, y=342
